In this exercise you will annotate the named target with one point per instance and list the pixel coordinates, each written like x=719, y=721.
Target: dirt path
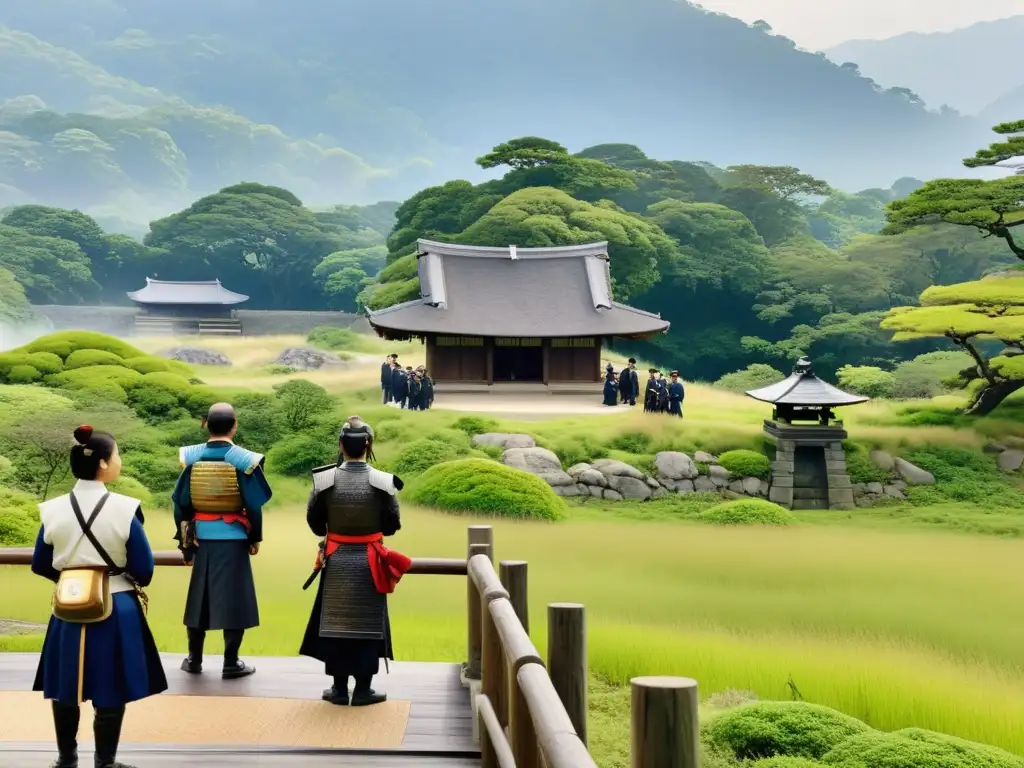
x=527, y=406
x=12, y=627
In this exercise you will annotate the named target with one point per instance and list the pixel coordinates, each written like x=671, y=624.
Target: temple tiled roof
x=515, y=292
x=209, y=292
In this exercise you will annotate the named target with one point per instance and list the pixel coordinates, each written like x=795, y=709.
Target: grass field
x=899, y=615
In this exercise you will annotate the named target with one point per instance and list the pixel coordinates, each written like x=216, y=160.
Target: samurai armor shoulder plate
x=214, y=487
x=383, y=481
x=323, y=478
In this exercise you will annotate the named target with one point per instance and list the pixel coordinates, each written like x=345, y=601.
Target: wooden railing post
x=664, y=731
x=494, y=749
x=513, y=578
x=567, y=660
x=482, y=538
x=522, y=733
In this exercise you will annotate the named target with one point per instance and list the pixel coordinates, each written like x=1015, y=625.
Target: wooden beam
x=513, y=578
x=664, y=731
x=567, y=660
x=481, y=542
x=546, y=356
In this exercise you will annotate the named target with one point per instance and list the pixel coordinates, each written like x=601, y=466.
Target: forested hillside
x=359, y=100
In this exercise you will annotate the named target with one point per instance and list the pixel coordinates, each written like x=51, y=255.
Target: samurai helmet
x=355, y=427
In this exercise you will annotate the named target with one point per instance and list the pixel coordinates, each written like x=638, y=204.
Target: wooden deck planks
x=440, y=720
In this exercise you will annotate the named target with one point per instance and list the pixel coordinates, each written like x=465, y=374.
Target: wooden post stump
x=481, y=542
x=567, y=660
x=513, y=577
x=664, y=731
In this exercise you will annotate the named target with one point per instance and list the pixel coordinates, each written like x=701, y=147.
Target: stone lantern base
x=809, y=471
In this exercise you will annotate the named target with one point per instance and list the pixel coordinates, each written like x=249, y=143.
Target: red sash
x=231, y=517
x=386, y=565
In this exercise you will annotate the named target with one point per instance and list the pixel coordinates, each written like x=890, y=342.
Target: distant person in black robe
x=415, y=392
x=629, y=383
x=399, y=386
x=428, y=389
x=662, y=394
x=611, y=388
x=651, y=393
x=386, y=378
x=675, y=395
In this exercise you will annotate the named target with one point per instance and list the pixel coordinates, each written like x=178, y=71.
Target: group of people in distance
x=660, y=396
x=405, y=387
x=92, y=545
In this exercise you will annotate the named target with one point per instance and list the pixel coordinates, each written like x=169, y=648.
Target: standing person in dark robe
x=113, y=661
x=662, y=393
x=353, y=506
x=218, y=518
x=675, y=395
x=399, y=386
x=611, y=387
x=386, y=378
x=633, y=381
x=415, y=391
x=651, y=392
x=428, y=389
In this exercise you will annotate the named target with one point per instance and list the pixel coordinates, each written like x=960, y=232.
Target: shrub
x=156, y=471
x=6, y=468
x=575, y=449
x=486, y=487
x=260, y=423
x=930, y=416
x=633, y=442
x=277, y=369
x=123, y=377
x=752, y=377
x=83, y=358
x=866, y=380
x=474, y=425
x=786, y=762
x=129, y=486
x=916, y=748
x=150, y=364
x=19, y=518
x=302, y=403
x=44, y=362
x=420, y=455
x=297, y=455
x=747, y=512
x=785, y=728
x=860, y=467
x=23, y=374
x=963, y=476
x=64, y=343
x=925, y=375
x=331, y=337
x=744, y=463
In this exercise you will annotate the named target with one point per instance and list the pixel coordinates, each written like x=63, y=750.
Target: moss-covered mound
x=420, y=455
x=786, y=762
x=486, y=487
x=915, y=748
x=744, y=463
x=19, y=518
x=747, y=512
x=782, y=728
x=104, y=368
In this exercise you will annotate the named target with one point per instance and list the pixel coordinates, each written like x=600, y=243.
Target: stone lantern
x=809, y=471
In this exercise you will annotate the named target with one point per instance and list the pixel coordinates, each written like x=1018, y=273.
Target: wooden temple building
x=514, y=315
x=168, y=307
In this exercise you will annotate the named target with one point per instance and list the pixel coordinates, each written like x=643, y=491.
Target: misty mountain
x=120, y=105
x=968, y=69
x=1005, y=109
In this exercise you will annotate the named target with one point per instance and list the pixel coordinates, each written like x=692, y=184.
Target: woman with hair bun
x=98, y=645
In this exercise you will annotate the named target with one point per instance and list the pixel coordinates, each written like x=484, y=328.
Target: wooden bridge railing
x=532, y=714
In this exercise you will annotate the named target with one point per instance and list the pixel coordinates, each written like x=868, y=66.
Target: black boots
x=194, y=663
x=337, y=693
x=107, y=732
x=233, y=668
x=232, y=643
x=65, y=723
x=364, y=695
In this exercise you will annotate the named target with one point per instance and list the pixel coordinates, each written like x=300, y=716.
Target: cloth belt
x=230, y=517
x=386, y=565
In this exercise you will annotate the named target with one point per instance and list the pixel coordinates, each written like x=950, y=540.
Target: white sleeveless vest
x=111, y=528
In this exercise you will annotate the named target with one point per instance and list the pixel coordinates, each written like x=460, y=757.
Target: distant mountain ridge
x=355, y=100
x=967, y=68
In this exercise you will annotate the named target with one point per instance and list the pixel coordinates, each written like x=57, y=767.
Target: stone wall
x=120, y=321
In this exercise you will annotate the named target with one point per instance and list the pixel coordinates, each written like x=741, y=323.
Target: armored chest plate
x=214, y=487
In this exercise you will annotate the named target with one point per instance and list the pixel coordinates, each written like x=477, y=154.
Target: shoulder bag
x=82, y=595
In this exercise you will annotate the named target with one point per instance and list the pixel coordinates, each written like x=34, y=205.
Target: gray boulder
x=195, y=356
x=703, y=484
x=893, y=492
x=537, y=461
x=875, y=488
x=565, y=490
x=763, y=488
x=882, y=460
x=736, y=486
x=613, y=468
x=684, y=486
x=751, y=485
x=556, y=479
x=612, y=495
x=719, y=475
x=912, y=474
x=578, y=469
x=629, y=487
x=302, y=359
x=704, y=458
x=592, y=477
x=1010, y=460
x=673, y=465
x=504, y=440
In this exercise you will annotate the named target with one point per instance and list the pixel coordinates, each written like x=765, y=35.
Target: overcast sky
x=819, y=24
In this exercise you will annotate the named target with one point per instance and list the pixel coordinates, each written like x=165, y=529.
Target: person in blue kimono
x=218, y=519
x=611, y=387
x=675, y=395
x=114, y=661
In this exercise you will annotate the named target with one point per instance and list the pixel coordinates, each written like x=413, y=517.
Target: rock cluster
x=902, y=475
x=307, y=359
x=195, y=356
x=615, y=480
x=1008, y=459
